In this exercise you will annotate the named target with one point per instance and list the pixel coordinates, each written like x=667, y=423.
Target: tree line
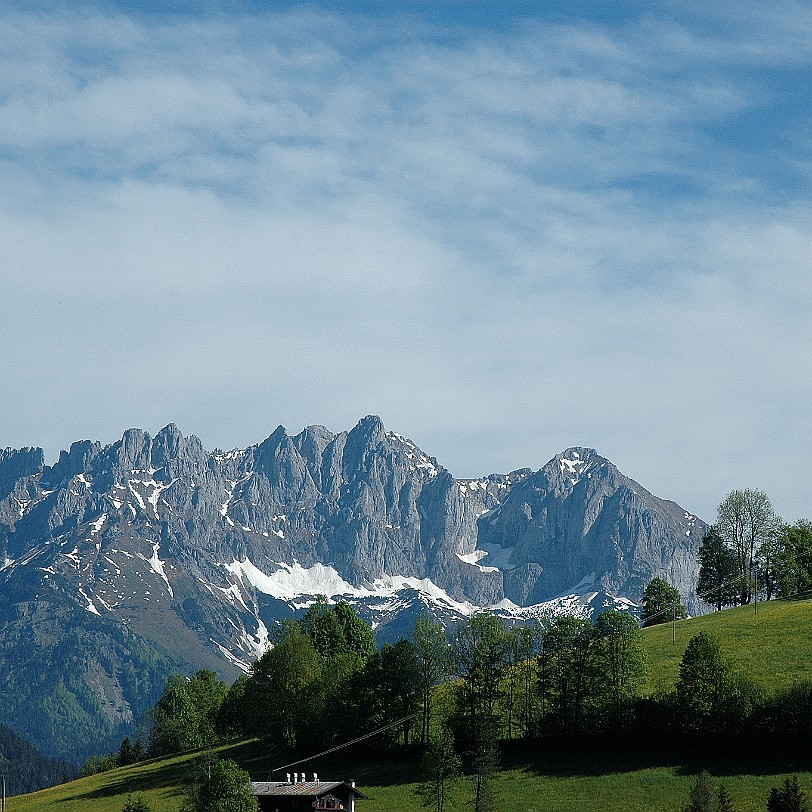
x=749, y=552
x=457, y=695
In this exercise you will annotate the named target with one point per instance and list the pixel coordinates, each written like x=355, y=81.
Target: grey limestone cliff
x=194, y=554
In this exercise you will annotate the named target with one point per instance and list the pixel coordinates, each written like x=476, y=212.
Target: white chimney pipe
x=295, y=778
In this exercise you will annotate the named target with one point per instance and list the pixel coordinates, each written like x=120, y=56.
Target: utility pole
x=3, y=802
x=674, y=626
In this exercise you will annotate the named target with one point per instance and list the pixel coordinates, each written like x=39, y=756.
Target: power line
x=346, y=744
x=727, y=584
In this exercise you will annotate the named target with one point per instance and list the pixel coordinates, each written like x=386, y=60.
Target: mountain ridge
x=197, y=554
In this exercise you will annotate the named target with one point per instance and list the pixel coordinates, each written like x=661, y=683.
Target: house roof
x=306, y=789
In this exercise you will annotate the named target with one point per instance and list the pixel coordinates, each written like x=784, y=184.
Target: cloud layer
x=505, y=240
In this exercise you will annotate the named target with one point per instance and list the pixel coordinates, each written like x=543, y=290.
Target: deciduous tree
x=480, y=651
x=793, y=559
x=661, y=603
x=441, y=767
x=745, y=520
x=569, y=667
x=434, y=659
x=621, y=664
x=174, y=721
x=207, y=692
x=219, y=785
x=286, y=682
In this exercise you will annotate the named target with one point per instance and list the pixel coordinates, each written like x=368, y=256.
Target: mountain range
x=123, y=563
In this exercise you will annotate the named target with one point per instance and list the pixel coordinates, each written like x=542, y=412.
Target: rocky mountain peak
x=196, y=553
x=18, y=464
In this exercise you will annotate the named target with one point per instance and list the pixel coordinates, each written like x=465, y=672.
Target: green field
x=770, y=642
x=535, y=779
x=772, y=645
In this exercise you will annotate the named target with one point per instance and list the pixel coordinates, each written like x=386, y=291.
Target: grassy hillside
x=773, y=646
x=770, y=642
x=534, y=779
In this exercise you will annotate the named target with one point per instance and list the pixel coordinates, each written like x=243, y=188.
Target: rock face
x=578, y=524
x=153, y=554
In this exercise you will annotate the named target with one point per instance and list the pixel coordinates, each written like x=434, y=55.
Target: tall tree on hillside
x=568, y=664
x=434, y=658
x=207, y=692
x=398, y=684
x=517, y=700
x=485, y=763
x=718, y=582
x=661, y=603
x=285, y=683
x=358, y=635
x=622, y=663
x=174, y=721
x=338, y=630
x=480, y=651
x=745, y=520
x=441, y=767
x=706, y=685
x=530, y=639
x=793, y=559
x=768, y=556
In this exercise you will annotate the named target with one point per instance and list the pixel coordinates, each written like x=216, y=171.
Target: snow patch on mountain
x=158, y=567
x=292, y=581
x=474, y=559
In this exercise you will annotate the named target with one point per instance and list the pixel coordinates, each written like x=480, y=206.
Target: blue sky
x=507, y=228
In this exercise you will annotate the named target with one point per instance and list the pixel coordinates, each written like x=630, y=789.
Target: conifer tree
x=137, y=804
x=718, y=583
x=702, y=798
x=790, y=798
x=724, y=801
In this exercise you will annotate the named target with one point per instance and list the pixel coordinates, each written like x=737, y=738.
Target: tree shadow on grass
x=132, y=781
x=159, y=774
x=686, y=757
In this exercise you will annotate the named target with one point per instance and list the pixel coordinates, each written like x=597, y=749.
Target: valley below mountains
x=122, y=564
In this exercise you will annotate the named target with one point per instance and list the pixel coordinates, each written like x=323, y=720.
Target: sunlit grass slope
x=770, y=642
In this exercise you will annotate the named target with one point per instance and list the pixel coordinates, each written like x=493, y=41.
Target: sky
x=507, y=228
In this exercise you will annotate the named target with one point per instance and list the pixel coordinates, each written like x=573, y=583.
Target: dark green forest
x=27, y=769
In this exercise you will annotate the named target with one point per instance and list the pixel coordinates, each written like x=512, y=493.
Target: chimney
x=295, y=778
x=288, y=777
x=315, y=778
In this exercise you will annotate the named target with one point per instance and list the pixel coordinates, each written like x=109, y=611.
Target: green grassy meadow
x=770, y=642
x=772, y=645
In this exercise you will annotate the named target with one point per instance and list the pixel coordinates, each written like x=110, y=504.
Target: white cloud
x=503, y=244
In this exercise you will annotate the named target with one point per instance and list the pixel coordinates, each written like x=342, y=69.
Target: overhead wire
x=345, y=744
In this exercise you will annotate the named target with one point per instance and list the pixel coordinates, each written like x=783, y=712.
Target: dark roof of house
x=307, y=789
